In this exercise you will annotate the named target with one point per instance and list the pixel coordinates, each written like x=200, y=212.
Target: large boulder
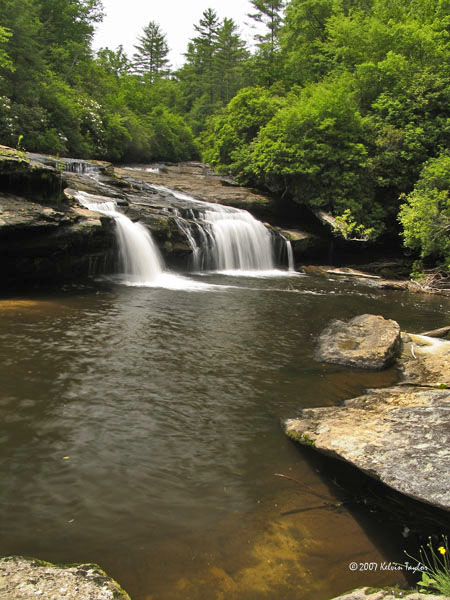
x=27, y=579
x=398, y=435
x=366, y=341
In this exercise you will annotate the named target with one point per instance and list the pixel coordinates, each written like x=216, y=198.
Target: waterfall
x=81, y=167
x=290, y=254
x=237, y=241
x=140, y=259
x=224, y=238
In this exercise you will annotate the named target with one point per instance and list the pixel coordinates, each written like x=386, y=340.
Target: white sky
x=125, y=19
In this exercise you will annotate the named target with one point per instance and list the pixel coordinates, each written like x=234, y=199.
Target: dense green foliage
x=363, y=102
x=426, y=214
x=57, y=97
x=343, y=105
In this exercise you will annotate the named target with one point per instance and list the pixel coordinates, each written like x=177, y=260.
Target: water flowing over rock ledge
x=46, y=236
x=397, y=435
x=26, y=579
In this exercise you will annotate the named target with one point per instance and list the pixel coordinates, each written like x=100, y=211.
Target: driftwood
x=438, y=333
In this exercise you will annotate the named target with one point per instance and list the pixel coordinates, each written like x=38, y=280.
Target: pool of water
x=141, y=430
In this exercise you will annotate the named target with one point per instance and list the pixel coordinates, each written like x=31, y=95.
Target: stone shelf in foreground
x=27, y=579
x=398, y=435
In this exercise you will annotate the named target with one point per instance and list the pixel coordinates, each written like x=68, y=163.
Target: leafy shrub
x=425, y=214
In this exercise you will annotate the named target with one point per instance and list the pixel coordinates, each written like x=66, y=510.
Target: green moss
x=305, y=439
x=161, y=225
x=301, y=438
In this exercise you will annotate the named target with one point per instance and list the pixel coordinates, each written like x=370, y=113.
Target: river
x=141, y=430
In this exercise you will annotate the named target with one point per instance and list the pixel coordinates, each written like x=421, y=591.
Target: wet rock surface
x=398, y=435
x=367, y=341
x=25, y=579
x=46, y=237
x=425, y=361
x=201, y=182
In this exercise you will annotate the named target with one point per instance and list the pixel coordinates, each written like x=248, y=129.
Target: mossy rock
x=24, y=578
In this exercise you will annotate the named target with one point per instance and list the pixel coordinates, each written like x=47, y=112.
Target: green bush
x=229, y=132
x=425, y=214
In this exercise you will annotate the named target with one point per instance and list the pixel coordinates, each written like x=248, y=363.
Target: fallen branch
x=438, y=333
x=305, y=487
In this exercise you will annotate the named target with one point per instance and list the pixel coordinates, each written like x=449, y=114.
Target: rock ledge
x=386, y=594
x=26, y=579
x=398, y=435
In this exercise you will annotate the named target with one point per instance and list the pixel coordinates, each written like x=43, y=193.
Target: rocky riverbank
x=367, y=593
x=398, y=435
x=27, y=579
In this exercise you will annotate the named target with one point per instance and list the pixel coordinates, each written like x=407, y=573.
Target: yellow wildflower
x=442, y=550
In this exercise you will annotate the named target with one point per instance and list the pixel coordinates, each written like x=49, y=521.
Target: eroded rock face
x=28, y=579
x=386, y=594
x=367, y=341
x=46, y=244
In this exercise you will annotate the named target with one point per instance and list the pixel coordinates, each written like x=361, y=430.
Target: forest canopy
x=340, y=105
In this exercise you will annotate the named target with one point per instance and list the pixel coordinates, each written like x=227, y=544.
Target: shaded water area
x=141, y=430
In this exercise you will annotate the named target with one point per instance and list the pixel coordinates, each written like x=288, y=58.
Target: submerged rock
x=367, y=341
x=26, y=579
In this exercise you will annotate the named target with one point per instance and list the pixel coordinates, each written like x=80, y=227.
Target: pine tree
x=228, y=60
x=203, y=49
x=270, y=13
x=198, y=75
x=151, y=60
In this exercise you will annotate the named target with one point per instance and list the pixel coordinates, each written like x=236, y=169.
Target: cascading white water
x=230, y=239
x=239, y=242
x=290, y=254
x=141, y=260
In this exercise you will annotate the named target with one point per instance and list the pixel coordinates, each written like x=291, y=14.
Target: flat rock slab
x=425, y=360
x=26, y=579
x=387, y=594
x=398, y=435
x=366, y=341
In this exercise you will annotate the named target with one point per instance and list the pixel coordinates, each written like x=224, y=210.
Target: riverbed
x=141, y=431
